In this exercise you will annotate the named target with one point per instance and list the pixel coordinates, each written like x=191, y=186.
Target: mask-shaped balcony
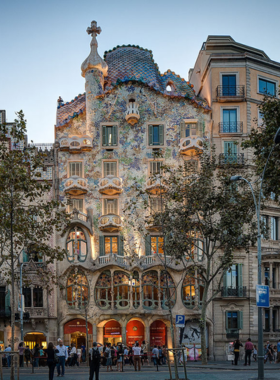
x=191, y=145
x=76, y=144
x=76, y=185
x=110, y=185
x=132, y=114
x=155, y=186
x=110, y=223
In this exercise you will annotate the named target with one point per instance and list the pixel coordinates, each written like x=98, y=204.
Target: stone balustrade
x=76, y=185
x=110, y=185
x=110, y=223
x=76, y=144
x=191, y=146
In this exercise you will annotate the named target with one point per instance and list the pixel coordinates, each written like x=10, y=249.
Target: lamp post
x=258, y=206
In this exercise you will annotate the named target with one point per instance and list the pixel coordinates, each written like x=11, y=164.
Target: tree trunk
x=13, y=288
x=203, y=333
x=173, y=343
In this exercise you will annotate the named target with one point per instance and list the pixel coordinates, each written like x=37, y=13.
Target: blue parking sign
x=262, y=295
x=180, y=321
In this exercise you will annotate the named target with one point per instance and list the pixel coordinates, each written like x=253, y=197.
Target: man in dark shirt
x=95, y=362
x=248, y=351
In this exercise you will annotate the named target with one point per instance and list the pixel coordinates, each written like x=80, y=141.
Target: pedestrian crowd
x=271, y=352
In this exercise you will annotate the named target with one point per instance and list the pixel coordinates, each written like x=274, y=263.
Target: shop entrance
x=79, y=339
x=158, y=335
x=33, y=338
x=112, y=332
x=134, y=331
x=75, y=332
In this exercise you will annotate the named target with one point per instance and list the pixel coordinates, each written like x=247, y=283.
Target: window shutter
x=101, y=246
x=161, y=137
x=199, y=129
x=104, y=135
x=150, y=132
x=240, y=320
x=25, y=257
x=226, y=320
x=120, y=246
x=148, y=245
x=115, y=135
x=182, y=129
x=7, y=303
x=240, y=281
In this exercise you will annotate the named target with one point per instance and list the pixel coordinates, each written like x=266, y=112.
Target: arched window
x=76, y=245
x=150, y=290
x=121, y=290
x=168, y=290
x=188, y=292
x=103, y=296
x=77, y=290
x=135, y=290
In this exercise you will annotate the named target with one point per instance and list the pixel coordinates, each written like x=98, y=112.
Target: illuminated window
x=111, y=245
x=77, y=290
x=157, y=245
x=76, y=245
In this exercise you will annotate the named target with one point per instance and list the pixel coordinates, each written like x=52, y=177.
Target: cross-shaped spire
x=93, y=29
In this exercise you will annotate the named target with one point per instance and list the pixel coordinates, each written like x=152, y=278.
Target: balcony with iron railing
x=230, y=127
x=110, y=223
x=230, y=93
x=234, y=291
x=110, y=185
x=231, y=159
x=75, y=185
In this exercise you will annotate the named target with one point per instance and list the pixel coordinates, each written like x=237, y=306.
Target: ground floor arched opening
x=112, y=332
x=33, y=338
x=135, y=331
x=75, y=332
x=158, y=333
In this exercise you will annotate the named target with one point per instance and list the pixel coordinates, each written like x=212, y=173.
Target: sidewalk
x=228, y=366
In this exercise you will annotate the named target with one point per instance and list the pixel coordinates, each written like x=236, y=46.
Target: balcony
x=81, y=218
x=191, y=146
x=230, y=93
x=76, y=144
x=110, y=223
x=234, y=291
x=132, y=114
x=151, y=225
x=231, y=159
x=114, y=259
x=76, y=185
x=155, y=186
x=231, y=127
x=233, y=334
x=110, y=185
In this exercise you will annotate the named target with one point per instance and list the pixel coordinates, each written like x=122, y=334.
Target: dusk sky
x=43, y=43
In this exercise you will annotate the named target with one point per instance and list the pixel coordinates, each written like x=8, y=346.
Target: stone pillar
x=270, y=319
x=147, y=334
x=112, y=289
x=277, y=273
x=124, y=333
x=100, y=338
x=94, y=332
x=140, y=290
x=270, y=275
x=131, y=293
x=159, y=291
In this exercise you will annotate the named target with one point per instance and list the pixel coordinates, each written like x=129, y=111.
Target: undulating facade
x=110, y=136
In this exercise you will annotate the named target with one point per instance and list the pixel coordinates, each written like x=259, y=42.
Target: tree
x=261, y=141
x=203, y=218
x=28, y=215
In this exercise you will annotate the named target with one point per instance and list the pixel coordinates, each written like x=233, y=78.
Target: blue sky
x=43, y=43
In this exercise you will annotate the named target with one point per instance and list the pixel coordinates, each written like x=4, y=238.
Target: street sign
x=262, y=295
x=180, y=321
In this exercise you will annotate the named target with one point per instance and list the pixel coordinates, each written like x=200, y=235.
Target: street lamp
x=235, y=178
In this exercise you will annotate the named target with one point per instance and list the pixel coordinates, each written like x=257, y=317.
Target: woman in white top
x=73, y=355
x=79, y=354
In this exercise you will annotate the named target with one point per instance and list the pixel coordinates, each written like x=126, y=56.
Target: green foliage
x=261, y=142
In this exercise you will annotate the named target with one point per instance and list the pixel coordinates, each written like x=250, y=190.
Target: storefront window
x=77, y=290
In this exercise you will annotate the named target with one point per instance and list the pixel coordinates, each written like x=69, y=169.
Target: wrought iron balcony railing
x=234, y=291
x=231, y=127
x=230, y=92
x=231, y=159
x=233, y=334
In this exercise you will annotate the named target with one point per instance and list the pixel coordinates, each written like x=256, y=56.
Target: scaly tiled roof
x=132, y=63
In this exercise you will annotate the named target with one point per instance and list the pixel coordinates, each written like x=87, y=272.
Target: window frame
x=270, y=80
x=102, y=146
x=80, y=290
x=71, y=257
x=76, y=199
x=111, y=244
x=156, y=123
x=104, y=206
x=110, y=161
x=75, y=162
x=32, y=296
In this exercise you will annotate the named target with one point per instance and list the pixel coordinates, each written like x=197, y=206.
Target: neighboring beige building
x=233, y=79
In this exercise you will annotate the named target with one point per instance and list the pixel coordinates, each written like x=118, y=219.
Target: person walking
x=36, y=355
x=94, y=362
x=249, y=347
x=155, y=355
x=255, y=353
x=83, y=348
x=108, y=356
x=79, y=355
x=137, y=356
x=145, y=353
x=278, y=352
x=73, y=356
x=164, y=354
x=27, y=355
x=236, y=347
x=62, y=355
x=8, y=355
x=50, y=352
x=120, y=357
x=21, y=349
